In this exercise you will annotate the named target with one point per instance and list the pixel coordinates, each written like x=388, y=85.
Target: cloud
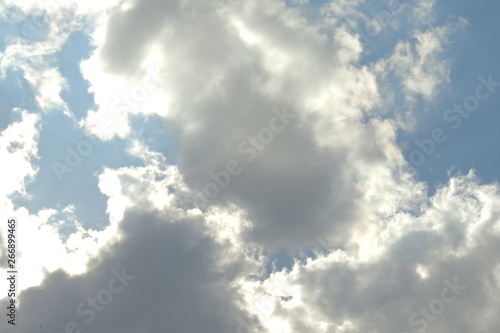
x=345, y=292
x=197, y=259
x=175, y=285
x=218, y=105
x=420, y=66
x=19, y=150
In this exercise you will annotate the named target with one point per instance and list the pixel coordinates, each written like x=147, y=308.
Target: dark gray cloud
x=223, y=93
x=176, y=284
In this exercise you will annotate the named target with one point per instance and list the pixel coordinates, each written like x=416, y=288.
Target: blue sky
x=472, y=145
x=119, y=121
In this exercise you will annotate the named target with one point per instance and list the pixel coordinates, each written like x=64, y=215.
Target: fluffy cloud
x=222, y=94
x=400, y=288
x=19, y=149
x=199, y=261
x=421, y=67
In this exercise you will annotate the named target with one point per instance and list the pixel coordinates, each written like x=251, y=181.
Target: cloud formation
x=288, y=129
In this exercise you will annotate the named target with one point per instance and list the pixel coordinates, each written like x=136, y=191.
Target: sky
x=321, y=166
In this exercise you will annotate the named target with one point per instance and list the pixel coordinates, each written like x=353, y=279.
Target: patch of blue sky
x=76, y=49
x=282, y=259
x=279, y=261
x=65, y=180
x=31, y=27
x=65, y=222
x=158, y=134
x=4, y=29
x=472, y=140
x=471, y=53
x=15, y=92
x=383, y=24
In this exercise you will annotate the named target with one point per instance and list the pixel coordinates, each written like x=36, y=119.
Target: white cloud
x=18, y=150
x=381, y=294
x=119, y=97
x=420, y=65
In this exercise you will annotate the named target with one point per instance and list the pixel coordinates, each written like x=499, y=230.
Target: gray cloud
x=177, y=286
x=223, y=92
x=388, y=292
